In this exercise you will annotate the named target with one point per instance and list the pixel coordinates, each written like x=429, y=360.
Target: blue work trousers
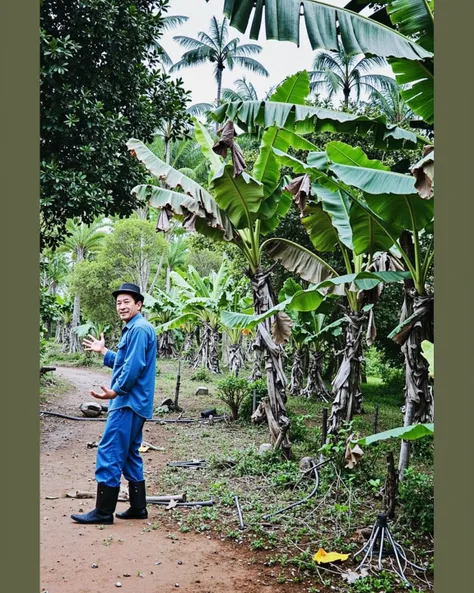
x=117, y=453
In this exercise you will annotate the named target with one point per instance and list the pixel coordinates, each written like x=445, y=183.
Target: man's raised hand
x=93, y=344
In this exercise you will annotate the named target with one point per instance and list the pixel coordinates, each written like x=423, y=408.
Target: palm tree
x=338, y=71
x=391, y=104
x=82, y=240
x=215, y=47
x=168, y=22
x=245, y=91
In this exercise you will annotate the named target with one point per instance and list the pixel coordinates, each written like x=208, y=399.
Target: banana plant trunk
x=278, y=421
x=419, y=395
x=166, y=348
x=297, y=372
x=236, y=360
x=208, y=353
x=257, y=366
x=189, y=352
x=346, y=385
x=315, y=386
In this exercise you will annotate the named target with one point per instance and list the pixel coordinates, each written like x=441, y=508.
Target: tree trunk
x=257, y=366
x=188, y=346
x=166, y=348
x=297, y=372
x=419, y=396
x=315, y=386
x=208, y=353
x=272, y=354
x=236, y=361
x=214, y=351
x=74, y=341
x=346, y=384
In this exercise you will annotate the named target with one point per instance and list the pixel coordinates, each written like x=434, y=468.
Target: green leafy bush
x=232, y=391
x=416, y=494
x=261, y=391
x=393, y=378
x=202, y=375
x=374, y=362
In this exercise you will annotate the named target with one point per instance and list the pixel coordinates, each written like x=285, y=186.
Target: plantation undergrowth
x=337, y=518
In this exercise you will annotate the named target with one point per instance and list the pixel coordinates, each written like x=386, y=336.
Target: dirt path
x=143, y=556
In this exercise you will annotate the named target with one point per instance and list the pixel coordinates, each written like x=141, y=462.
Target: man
x=131, y=402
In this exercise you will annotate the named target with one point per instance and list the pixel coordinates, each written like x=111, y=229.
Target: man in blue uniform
x=131, y=396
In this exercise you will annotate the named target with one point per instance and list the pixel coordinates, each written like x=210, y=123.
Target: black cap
x=129, y=288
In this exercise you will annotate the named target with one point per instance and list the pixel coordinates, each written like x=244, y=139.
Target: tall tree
x=216, y=48
x=338, y=71
x=81, y=241
x=100, y=84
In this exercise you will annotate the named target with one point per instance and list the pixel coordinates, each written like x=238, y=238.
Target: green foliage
x=130, y=249
x=416, y=495
x=204, y=261
x=374, y=362
x=382, y=583
x=335, y=446
x=393, y=378
x=261, y=391
x=202, y=375
x=93, y=100
x=232, y=391
x=423, y=450
x=49, y=308
x=93, y=281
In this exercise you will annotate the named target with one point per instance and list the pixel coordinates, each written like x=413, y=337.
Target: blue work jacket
x=134, y=367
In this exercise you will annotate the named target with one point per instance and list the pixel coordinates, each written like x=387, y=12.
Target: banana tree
x=201, y=300
x=404, y=21
x=310, y=328
x=242, y=208
x=163, y=307
x=237, y=299
x=398, y=209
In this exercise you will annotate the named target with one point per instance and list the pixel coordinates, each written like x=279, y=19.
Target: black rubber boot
x=104, y=506
x=137, y=508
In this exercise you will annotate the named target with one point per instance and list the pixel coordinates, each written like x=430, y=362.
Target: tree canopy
x=93, y=100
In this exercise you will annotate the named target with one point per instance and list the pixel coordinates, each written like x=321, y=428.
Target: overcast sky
x=280, y=58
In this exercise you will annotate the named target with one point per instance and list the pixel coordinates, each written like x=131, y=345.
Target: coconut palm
x=244, y=91
x=167, y=23
x=215, y=47
x=338, y=71
x=390, y=102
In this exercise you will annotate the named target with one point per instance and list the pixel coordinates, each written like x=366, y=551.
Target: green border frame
x=20, y=250
x=453, y=302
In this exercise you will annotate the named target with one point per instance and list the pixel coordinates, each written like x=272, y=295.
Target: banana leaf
x=194, y=200
x=358, y=34
x=303, y=119
x=407, y=433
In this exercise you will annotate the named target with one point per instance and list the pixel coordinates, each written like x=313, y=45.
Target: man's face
x=127, y=307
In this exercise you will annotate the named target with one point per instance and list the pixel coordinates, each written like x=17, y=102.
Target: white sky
x=280, y=58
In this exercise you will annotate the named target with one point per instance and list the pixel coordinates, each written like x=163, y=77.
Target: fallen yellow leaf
x=323, y=557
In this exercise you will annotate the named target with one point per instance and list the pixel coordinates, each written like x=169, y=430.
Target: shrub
x=202, y=375
x=232, y=391
x=374, y=362
x=261, y=391
x=416, y=494
x=393, y=378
